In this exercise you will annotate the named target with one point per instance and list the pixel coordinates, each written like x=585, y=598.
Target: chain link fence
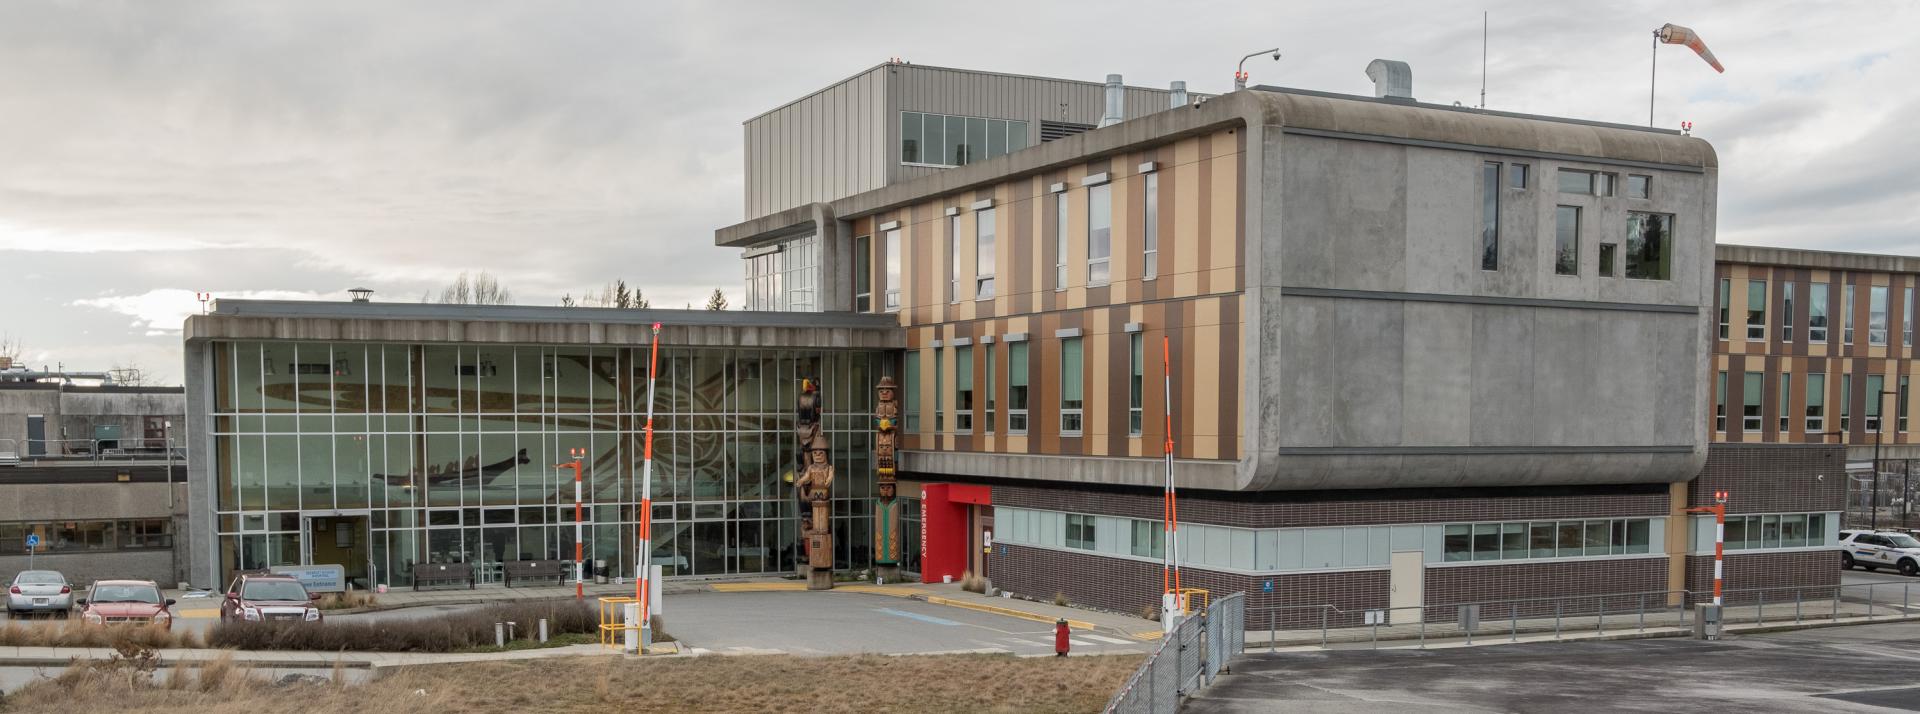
x=1199, y=648
x=1886, y=502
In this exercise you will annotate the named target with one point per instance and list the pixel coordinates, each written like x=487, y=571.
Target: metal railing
x=130, y=449
x=1199, y=648
x=1325, y=626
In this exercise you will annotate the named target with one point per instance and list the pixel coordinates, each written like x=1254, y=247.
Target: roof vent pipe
x=1179, y=90
x=1116, y=101
x=1392, y=79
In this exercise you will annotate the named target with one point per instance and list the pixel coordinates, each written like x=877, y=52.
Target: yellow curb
x=756, y=587
x=1149, y=635
x=889, y=590
x=1007, y=611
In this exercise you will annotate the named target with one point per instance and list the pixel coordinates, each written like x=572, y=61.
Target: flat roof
x=545, y=313
x=1459, y=108
x=910, y=65
x=1818, y=259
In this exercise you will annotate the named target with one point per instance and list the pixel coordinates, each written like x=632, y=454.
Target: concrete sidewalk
x=209, y=606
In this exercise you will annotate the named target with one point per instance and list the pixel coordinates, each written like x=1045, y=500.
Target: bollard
x=1271, y=641
x=1796, y=606
x=1600, y=619
x=499, y=634
x=632, y=617
x=1760, y=613
x=543, y=629
x=511, y=625
x=1643, y=612
x=1513, y=622
x=1556, y=619
x=1323, y=628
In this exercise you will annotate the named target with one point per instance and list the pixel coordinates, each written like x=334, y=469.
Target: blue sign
x=33, y=540
x=1267, y=587
x=316, y=578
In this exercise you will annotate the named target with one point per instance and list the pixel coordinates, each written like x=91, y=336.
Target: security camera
x=1276, y=56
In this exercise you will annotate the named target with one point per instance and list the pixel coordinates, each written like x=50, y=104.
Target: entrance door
x=36, y=435
x=1408, y=581
x=338, y=540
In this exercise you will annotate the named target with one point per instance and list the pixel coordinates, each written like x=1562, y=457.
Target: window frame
x=1072, y=418
x=1756, y=318
x=1490, y=173
x=1753, y=401
x=987, y=358
x=963, y=389
x=894, y=278
x=863, y=274
x=1786, y=310
x=1815, y=408
x=1019, y=376
x=953, y=259
x=1062, y=219
x=1818, y=321
x=1566, y=241
x=1877, y=320
x=1726, y=306
x=1663, y=264
x=1099, y=265
x=1150, y=233
x=1136, y=384
x=985, y=240
x=1785, y=407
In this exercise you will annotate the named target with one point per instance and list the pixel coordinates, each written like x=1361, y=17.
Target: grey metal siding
x=844, y=139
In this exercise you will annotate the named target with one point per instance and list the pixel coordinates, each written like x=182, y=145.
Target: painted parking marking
x=917, y=616
x=1108, y=640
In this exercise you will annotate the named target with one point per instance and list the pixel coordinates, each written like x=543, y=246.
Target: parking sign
x=33, y=540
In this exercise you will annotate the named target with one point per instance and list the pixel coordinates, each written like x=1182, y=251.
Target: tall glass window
x=944, y=141
x=963, y=389
x=1072, y=383
x=1846, y=402
x=939, y=390
x=983, y=254
x=953, y=258
x=1135, y=383
x=1750, y=404
x=1816, y=313
x=1060, y=240
x=1786, y=311
x=1906, y=320
x=910, y=399
x=1150, y=251
x=992, y=387
x=1846, y=314
x=1877, y=315
x=1756, y=309
x=1649, y=245
x=1490, y=216
x=1566, y=240
x=1017, y=388
x=782, y=277
x=863, y=274
x=1099, y=233
x=1816, y=403
x=1902, y=424
x=1785, y=407
x=1720, y=404
x=893, y=270
x=1876, y=386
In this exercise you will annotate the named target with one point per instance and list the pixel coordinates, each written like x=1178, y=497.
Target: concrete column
x=1678, y=523
x=203, y=560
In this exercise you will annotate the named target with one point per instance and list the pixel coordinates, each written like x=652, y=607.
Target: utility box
x=1469, y=618
x=1706, y=621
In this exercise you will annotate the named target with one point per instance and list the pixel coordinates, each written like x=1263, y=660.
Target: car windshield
x=273, y=590
x=126, y=593
x=1901, y=540
x=39, y=577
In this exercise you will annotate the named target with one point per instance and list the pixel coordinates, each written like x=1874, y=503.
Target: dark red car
x=268, y=598
x=126, y=602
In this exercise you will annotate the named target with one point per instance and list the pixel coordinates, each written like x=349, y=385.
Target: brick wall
x=82, y=569
x=1133, y=586
x=1773, y=478
x=1805, y=569
x=1485, y=583
x=1280, y=509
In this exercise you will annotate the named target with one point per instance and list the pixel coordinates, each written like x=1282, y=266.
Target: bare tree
x=717, y=301
x=11, y=351
x=130, y=374
x=478, y=289
x=567, y=300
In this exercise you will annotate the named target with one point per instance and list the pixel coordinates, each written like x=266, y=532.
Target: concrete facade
x=38, y=496
x=71, y=414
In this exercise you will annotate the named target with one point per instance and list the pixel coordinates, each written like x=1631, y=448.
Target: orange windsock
x=1676, y=35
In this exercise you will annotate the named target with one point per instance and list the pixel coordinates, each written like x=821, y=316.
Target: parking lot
x=1861, y=668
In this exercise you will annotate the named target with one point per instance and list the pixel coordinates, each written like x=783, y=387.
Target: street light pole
x=1879, y=426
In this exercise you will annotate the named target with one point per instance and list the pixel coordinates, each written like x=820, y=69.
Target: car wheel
x=1909, y=568
x=1846, y=561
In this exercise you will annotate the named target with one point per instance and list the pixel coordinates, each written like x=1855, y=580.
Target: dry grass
x=948, y=683
x=460, y=631
x=346, y=601
x=74, y=633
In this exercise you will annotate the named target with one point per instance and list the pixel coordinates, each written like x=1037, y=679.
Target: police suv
x=1880, y=549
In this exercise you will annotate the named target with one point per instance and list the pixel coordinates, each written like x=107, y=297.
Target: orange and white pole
x=1170, y=570
x=1719, y=511
x=644, y=540
x=579, y=542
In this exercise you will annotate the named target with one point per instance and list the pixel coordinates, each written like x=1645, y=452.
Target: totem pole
x=814, y=488
x=886, y=517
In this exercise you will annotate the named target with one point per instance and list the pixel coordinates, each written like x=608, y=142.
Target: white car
x=39, y=591
x=1884, y=549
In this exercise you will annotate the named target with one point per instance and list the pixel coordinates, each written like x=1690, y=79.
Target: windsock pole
x=644, y=540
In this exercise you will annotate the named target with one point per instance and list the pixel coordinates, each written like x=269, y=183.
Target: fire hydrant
x=1061, y=643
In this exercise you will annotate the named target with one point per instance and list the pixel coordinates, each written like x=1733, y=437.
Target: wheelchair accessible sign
x=33, y=541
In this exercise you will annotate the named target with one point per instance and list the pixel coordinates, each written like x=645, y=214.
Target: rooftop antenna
x=1240, y=71
x=1483, y=59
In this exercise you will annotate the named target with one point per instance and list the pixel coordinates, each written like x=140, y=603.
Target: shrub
x=75, y=633
x=346, y=601
x=973, y=583
x=458, y=631
x=1060, y=598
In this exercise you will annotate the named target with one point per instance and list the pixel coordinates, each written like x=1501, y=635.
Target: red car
x=262, y=598
x=126, y=602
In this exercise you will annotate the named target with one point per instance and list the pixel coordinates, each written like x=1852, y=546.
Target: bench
x=443, y=574
x=536, y=570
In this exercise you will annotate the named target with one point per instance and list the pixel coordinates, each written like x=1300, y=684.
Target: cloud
x=163, y=312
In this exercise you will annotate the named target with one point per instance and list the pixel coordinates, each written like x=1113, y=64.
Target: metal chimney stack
x=1392, y=79
x=1179, y=93
x=1116, y=101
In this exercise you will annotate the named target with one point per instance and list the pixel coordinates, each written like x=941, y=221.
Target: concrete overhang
x=1815, y=259
x=528, y=324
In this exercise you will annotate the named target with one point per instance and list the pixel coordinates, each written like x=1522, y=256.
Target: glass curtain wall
x=449, y=452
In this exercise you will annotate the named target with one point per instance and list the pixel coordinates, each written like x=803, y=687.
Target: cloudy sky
x=150, y=151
